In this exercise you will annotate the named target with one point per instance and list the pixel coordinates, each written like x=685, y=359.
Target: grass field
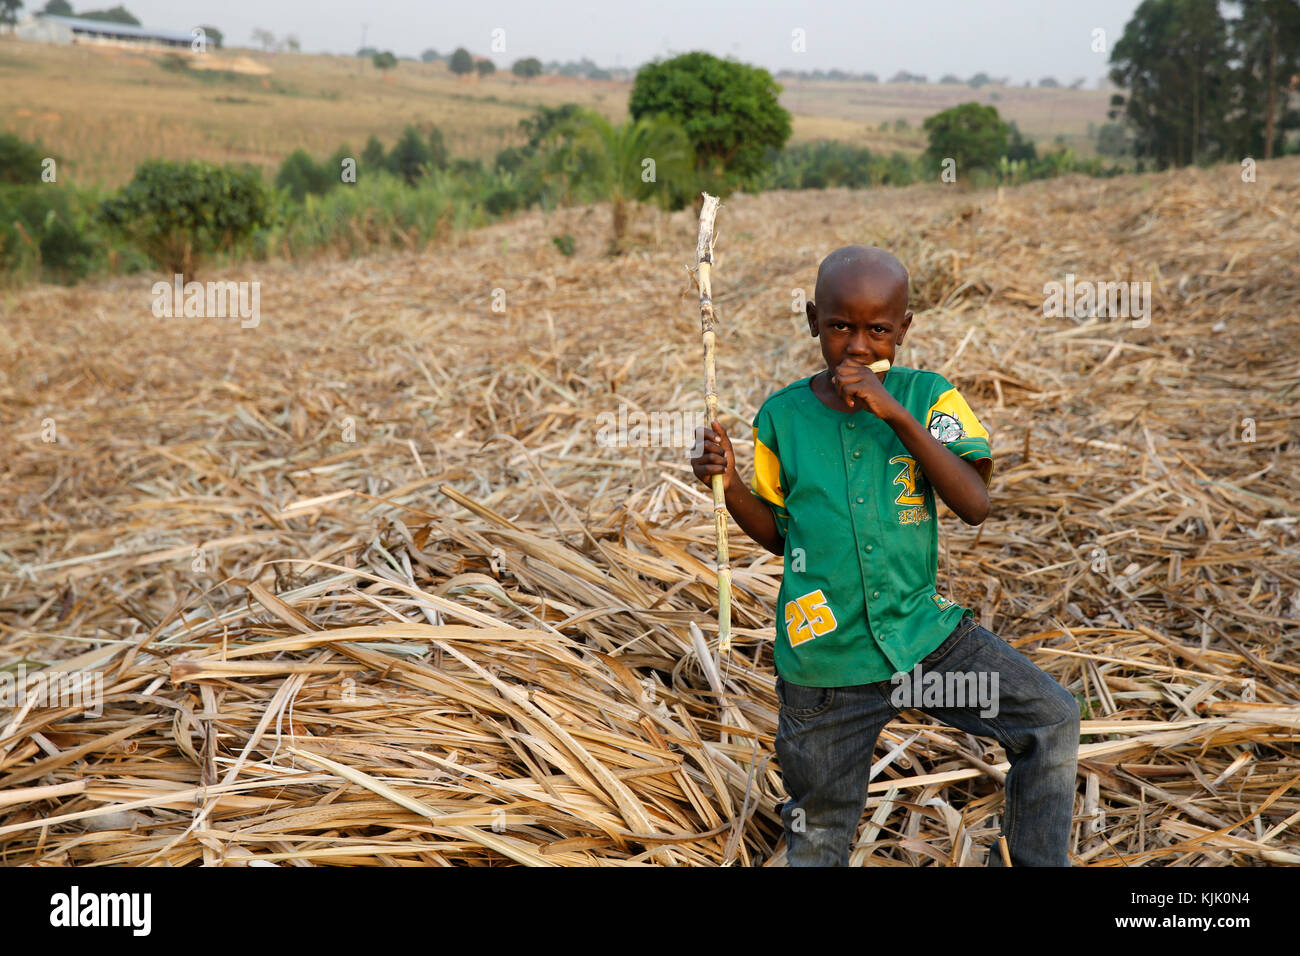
x=106, y=110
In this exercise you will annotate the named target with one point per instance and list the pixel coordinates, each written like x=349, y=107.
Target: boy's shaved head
x=860, y=312
x=861, y=270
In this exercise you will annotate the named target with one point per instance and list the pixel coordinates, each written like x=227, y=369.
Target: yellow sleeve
x=951, y=421
x=767, y=470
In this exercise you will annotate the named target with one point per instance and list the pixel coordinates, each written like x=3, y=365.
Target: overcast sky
x=1023, y=39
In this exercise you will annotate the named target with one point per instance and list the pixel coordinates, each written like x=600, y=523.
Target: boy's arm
x=749, y=511
x=754, y=517
x=954, y=478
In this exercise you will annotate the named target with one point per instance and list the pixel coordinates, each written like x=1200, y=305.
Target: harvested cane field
x=363, y=587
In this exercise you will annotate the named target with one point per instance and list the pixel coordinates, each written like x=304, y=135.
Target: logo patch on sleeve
x=945, y=428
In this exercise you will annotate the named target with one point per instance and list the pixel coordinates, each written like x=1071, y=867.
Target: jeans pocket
x=964, y=627
x=800, y=701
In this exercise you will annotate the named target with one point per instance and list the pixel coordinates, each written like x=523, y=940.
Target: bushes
x=824, y=164
x=301, y=176
x=372, y=157
x=410, y=157
x=827, y=163
x=48, y=233
x=20, y=161
x=177, y=213
x=378, y=210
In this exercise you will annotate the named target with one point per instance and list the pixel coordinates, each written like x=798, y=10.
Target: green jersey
x=858, y=601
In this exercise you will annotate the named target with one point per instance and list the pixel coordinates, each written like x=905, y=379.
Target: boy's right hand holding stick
x=717, y=457
x=750, y=512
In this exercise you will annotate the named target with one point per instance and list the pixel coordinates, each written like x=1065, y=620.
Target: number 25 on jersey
x=807, y=617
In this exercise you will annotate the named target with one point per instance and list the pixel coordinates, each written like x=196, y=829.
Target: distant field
x=106, y=110
x=854, y=111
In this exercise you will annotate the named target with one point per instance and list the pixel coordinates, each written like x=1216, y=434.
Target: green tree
x=58, y=8
x=1173, y=63
x=20, y=161
x=972, y=134
x=437, y=149
x=177, y=213
x=485, y=67
x=1112, y=140
x=637, y=161
x=410, y=157
x=527, y=68
x=118, y=14
x=1018, y=147
x=334, y=165
x=384, y=61
x=301, y=176
x=546, y=120
x=9, y=11
x=429, y=56
x=461, y=62
x=728, y=110
x=372, y=157
x=1266, y=43
x=215, y=36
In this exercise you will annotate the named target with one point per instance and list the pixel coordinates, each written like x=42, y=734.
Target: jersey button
x=868, y=548
x=852, y=425
x=859, y=501
x=857, y=454
x=875, y=594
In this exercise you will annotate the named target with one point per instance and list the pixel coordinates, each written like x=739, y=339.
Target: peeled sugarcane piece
x=880, y=366
x=704, y=260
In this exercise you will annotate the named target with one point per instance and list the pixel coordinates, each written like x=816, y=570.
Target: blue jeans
x=826, y=736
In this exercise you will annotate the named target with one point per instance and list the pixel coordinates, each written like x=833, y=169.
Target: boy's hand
x=716, y=458
x=858, y=386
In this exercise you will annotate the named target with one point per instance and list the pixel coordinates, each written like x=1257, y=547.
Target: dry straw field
x=472, y=635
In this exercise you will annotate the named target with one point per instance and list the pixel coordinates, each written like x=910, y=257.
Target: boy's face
x=864, y=320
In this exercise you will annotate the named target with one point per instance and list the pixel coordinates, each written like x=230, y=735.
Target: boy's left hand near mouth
x=860, y=387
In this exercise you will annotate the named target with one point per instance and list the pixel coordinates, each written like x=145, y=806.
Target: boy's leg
x=1034, y=718
x=824, y=741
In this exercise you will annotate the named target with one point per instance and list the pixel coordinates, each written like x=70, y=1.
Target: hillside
x=520, y=661
x=105, y=110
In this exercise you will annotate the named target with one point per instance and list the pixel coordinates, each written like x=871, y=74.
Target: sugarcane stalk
x=704, y=265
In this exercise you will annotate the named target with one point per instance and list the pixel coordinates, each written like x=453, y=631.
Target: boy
x=847, y=463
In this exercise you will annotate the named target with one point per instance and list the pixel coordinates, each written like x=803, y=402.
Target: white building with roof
x=44, y=28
